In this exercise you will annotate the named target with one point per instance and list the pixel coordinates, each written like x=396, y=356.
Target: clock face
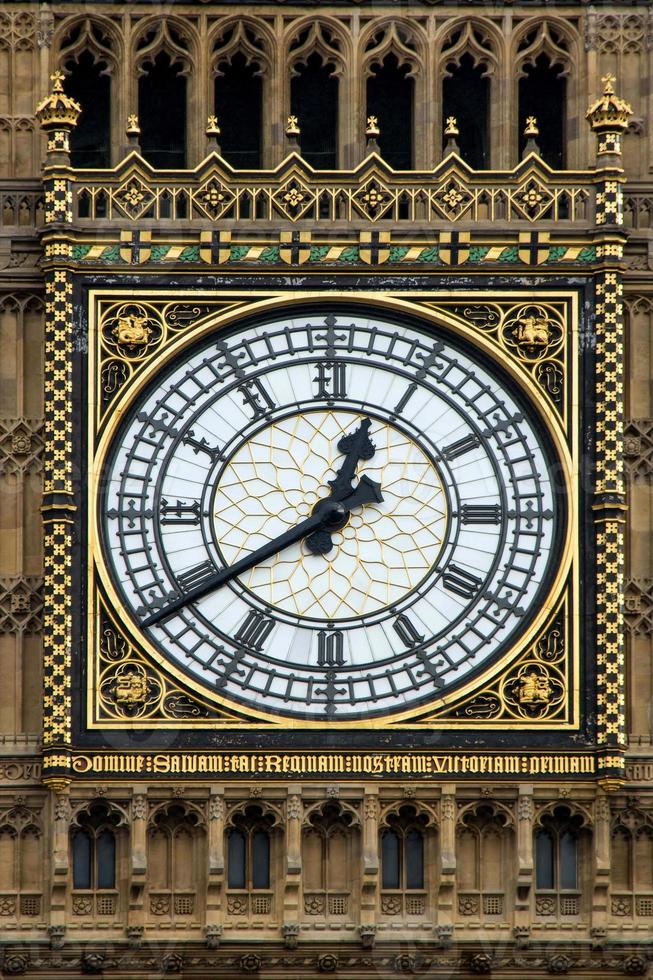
x=443, y=530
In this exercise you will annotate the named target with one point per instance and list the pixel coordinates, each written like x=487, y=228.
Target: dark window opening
x=90, y=140
x=82, y=848
x=402, y=859
x=465, y=95
x=542, y=93
x=94, y=859
x=236, y=860
x=238, y=106
x=248, y=850
x=162, y=113
x=390, y=859
x=105, y=856
x=568, y=862
x=544, y=860
x=314, y=100
x=260, y=859
x=390, y=98
x=414, y=851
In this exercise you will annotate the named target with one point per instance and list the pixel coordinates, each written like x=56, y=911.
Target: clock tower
x=345, y=614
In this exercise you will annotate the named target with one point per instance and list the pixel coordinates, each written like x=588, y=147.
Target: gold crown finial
x=372, y=128
x=57, y=110
x=531, y=127
x=292, y=126
x=451, y=129
x=609, y=113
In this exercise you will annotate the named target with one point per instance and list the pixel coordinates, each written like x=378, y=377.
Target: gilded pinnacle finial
x=372, y=129
x=609, y=111
x=58, y=110
x=57, y=78
x=212, y=128
x=133, y=129
x=531, y=128
x=292, y=126
x=451, y=129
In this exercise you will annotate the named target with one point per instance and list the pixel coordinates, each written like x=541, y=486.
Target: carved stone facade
x=171, y=907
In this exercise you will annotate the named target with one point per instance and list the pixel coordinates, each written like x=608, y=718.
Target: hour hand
x=356, y=445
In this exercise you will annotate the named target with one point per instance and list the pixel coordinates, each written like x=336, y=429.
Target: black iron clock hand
x=356, y=445
x=327, y=514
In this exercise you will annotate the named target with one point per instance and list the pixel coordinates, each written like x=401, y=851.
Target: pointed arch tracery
x=164, y=36
x=164, y=52
x=537, y=37
x=241, y=36
x=478, y=39
x=325, y=39
x=399, y=38
x=413, y=811
x=96, y=35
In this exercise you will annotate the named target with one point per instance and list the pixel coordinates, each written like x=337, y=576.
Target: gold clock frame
x=126, y=686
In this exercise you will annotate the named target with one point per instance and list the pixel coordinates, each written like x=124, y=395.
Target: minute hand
x=331, y=512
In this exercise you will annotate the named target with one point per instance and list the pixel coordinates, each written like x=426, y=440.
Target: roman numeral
x=201, y=446
x=461, y=582
x=254, y=630
x=256, y=397
x=195, y=576
x=180, y=513
x=480, y=513
x=407, y=632
x=331, y=380
x=462, y=446
x=405, y=398
x=330, y=649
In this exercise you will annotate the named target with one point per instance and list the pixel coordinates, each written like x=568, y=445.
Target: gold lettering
x=574, y=764
x=161, y=763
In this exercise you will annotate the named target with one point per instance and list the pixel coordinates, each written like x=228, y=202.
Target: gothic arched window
x=90, y=140
x=314, y=100
x=93, y=847
x=542, y=94
x=248, y=849
x=405, y=839
x=631, y=886
x=390, y=97
x=483, y=852
x=163, y=63
x=466, y=97
x=544, y=61
x=558, y=844
x=175, y=861
x=330, y=845
x=88, y=59
x=238, y=93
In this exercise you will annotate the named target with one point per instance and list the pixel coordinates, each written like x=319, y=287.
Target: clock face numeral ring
x=331, y=517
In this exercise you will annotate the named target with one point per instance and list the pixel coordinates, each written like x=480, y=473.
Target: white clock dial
x=236, y=446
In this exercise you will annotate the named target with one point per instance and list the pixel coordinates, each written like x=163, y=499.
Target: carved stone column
x=60, y=865
x=370, y=876
x=138, y=870
x=294, y=814
x=448, y=856
x=215, y=880
x=602, y=868
x=525, y=813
